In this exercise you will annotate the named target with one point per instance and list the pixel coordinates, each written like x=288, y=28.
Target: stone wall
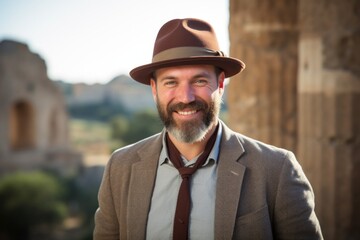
x=301, y=91
x=329, y=110
x=262, y=100
x=33, y=119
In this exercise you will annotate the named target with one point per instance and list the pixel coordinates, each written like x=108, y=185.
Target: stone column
x=262, y=99
x=329, y=111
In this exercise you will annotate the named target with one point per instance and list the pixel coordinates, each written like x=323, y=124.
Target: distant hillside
x=121, y=90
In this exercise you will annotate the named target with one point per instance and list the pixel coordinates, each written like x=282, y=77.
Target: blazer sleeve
x=294, y=213
x=106, y=222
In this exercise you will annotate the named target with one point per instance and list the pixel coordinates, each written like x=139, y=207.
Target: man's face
x=188, y=99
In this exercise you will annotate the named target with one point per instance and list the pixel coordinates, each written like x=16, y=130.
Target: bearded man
x=198, y=179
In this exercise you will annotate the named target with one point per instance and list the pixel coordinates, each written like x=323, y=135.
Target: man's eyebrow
x=202, y=74
x=168, y=77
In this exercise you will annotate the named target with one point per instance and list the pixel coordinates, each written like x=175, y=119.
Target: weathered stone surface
x=329, y=111
x=33, y=119
x=316, y=46
x=262, y=100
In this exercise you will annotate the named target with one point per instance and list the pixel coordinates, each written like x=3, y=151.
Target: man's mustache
x=194, y=105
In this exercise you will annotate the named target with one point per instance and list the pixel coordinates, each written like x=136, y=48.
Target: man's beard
x=190, y=131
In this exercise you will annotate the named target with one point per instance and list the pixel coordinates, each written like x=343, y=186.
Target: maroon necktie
x=182, y=214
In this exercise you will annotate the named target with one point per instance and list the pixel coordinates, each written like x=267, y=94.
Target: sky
x=93, y=41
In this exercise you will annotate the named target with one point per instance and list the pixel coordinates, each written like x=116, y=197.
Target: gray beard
x=190, y=131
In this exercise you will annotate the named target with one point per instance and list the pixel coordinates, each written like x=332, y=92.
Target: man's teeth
x=187, y=112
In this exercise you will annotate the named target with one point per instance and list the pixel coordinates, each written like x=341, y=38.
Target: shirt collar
x=214, y=154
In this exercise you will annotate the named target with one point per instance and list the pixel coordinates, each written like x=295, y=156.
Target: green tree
x=119, y=126
x=28, y=201
x=140, y=125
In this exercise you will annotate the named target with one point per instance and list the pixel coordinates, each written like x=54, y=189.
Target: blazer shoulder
x=256, y=153
x=252, y=146
x=131, y=153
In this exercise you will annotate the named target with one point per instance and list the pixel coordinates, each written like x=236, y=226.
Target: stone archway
x=22, y=126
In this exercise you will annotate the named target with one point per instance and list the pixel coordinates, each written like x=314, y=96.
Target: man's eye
x=200, y=82
x=170, y=83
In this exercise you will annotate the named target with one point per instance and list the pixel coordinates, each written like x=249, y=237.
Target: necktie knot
x=186, y=172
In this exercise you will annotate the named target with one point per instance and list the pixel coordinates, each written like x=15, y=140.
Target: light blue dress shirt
x=202, y=188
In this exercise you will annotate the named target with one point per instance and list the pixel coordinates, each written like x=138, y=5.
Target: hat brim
x=230, y=66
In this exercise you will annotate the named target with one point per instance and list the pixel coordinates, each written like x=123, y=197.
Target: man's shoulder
x=257, y=150
x=132, y=152
x=253, y=144
x=142, y=145
x=260, y=146
x=262, y=159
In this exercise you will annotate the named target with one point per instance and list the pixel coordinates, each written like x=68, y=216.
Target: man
x=198, y=179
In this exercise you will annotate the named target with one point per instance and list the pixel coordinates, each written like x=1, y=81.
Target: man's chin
x=189, y=132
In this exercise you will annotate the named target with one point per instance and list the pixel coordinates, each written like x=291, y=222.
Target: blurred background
x=67, y=101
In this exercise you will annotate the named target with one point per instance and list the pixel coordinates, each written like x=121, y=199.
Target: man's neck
x=192, y=150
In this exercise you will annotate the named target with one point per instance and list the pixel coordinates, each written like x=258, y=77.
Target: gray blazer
x=261, y=192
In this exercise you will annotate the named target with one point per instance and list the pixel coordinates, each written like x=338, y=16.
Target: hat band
x=185, y=52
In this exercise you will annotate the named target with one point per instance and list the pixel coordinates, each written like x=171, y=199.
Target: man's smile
x=187, y=112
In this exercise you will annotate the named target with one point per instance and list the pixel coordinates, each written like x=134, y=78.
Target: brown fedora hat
x=186, y=41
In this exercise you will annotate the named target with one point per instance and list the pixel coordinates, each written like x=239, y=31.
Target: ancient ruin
x=33, y=119
x=301, y=91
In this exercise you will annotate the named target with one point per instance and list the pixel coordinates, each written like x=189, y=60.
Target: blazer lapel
x=229, y=182
x=141, y=187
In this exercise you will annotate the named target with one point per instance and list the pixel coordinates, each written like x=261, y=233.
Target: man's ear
x=221, y=81
x=153, y=88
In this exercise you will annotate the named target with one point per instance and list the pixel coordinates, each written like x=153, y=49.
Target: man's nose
x=185, y=93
